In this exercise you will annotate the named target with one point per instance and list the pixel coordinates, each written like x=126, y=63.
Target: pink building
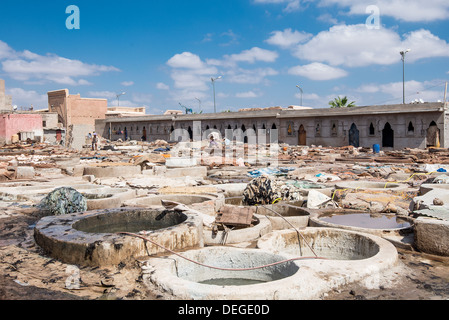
x=22, y=124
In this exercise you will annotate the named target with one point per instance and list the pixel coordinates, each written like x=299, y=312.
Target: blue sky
x=164, y=53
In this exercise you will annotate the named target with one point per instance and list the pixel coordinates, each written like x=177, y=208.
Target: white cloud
x=245, y=76
x=190, y=72
x=28, y=66
x=318, y=71
x=143, y=98
x=249, y=94
x=24, y=98
x=127, y=83
x=186, y=60
x=357, y=46
x=413, y=90
x=404, y=10
x=253, y=55
x=137, y=99
x=162, y=86
x=102, y=94
x=288, y=38
x=6, y=51
x=291, y=5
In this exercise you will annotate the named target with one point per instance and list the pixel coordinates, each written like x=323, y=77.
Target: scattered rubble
x=308, y=175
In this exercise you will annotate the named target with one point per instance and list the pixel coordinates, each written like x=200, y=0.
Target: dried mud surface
x=26, y=273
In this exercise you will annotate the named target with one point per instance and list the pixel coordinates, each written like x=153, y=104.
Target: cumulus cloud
x=254, y=54
x=358, y=46
x=190, y=72
x=404, y=10
x=289, y=5
x=318, y=71
x=29, y=66
x=24, y=98
x=426, y=90
x=288, y=38
x=162, y=86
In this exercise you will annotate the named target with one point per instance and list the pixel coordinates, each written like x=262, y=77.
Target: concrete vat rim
x=163, y=274
x=315, y=221
x=371, y=185
x=385, y=252
x=57, y=236
x=314, y=278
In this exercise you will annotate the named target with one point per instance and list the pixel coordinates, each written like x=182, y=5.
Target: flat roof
x=292, y=113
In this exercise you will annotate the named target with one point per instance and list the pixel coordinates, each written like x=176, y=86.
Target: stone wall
x=391, y=127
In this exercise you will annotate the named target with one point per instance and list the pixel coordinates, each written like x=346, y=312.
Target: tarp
x=269, y=171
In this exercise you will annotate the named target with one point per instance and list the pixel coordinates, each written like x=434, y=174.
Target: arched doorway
x=302, y=136
x=354, y=136
x=388, y=136
x=144, y=134
x=245, y=138
x=433, y=135
x=126, y=134
x=190, y=133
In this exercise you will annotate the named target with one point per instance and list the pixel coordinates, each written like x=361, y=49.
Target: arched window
x=372, y=130
x=411, y=128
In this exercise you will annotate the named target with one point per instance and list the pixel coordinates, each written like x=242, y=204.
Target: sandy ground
x=26, y=273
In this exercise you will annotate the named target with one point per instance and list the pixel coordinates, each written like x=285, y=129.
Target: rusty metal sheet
x=235, y=216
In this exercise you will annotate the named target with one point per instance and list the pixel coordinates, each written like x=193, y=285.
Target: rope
x=218, y=268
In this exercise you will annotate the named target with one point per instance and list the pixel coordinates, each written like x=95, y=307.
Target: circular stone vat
x=378, y=224
x=37, y=192
x=108, y=198
x=185, y=280
x=372, y=186
x=427, y=187
x=348, y=256
x=91, y=238
x=208, y=204
x=328, y=243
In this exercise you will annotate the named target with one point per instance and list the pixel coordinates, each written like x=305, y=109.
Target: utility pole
x=213, y=84
x=445, y=93
x=403, y=53
x=302, y=92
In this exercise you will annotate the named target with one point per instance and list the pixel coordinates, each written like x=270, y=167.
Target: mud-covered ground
x=26, y=273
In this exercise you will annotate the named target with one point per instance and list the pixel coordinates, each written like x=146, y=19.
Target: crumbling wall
x=77, y=134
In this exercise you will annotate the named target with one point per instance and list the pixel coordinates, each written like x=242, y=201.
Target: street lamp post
x=403, y=53
x=118, y=97
x=213, y=84
x=302, y=92
x=199, y=103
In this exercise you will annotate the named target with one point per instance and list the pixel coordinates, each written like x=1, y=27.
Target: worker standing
x=94, y=142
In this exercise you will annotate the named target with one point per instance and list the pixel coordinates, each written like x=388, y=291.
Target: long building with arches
x=390, y=126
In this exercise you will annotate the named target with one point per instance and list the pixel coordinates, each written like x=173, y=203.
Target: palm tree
x=340, y=102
